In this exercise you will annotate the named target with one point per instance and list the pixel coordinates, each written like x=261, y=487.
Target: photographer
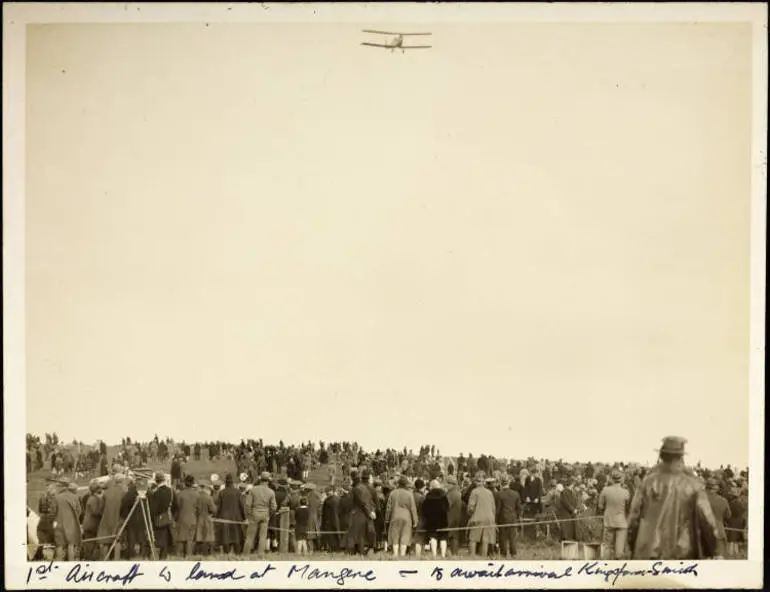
x=135, y=530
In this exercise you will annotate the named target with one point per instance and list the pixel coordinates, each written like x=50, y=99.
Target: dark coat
x=186, y=514
x=136, y=522
x=330, y=513
x=314, y=514
x=737, y=520
x=455, y=516
x=94, y=507
x=509, y=506
x=230, y=507
x=204, y=511
x=67, y=529
x=361, y=528
x=161, y=500
x=110, y=522
x=435, y=510
x=565, y=510
x=345, y=509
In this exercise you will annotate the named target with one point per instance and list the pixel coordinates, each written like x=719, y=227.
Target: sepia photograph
x=329, y=286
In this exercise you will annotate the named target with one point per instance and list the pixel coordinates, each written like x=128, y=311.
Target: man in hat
x=162, y=504
x=259, y=504
x=455, y=516
x=670, y=516
x=613, y=503
x=313, y=498
x=282, y=498
x=231, y=510
x=508, y=513
x=737, y=523
x=186, y=518
x=110, y=522
x=46, y=509
x=94, y=508
x=419, y=498
x=205, y=535
x=135, y=530
x=721, y=510
x=362, y=515
x=481, y=511
x=67, y=524
x=330, y=521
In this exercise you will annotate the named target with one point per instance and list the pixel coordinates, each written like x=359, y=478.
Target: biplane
x=397, y=42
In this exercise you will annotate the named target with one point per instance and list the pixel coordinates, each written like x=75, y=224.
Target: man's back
x=401, y=505
x=481, y=505
x=510, y=506
x=260, y=499
x=187, y=503
x=672, y=517
x=613, y=501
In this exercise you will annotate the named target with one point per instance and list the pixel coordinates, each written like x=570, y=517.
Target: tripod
x=144, y=504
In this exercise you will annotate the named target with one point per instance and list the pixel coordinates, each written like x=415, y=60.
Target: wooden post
x=283, y=534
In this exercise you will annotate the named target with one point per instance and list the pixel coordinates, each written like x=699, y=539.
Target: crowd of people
x=388, y=501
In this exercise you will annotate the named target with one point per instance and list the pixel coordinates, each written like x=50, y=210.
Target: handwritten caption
x=137, y=574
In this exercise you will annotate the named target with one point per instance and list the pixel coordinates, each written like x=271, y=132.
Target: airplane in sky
x=397, y=42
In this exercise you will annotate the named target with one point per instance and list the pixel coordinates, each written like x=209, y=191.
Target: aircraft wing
x=377, y=45
x=415, y=47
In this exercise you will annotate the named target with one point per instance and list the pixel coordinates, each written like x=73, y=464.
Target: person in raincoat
x=670, y=516
x=110, y=522
x=205, y=536
x=400, y=517
x=94, y=507
x=481, y=519
x=67, y=525
x=314, y=519
x=186, y=517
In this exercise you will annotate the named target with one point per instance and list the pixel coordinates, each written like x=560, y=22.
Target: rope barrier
x=108, y=537
x=448, y=529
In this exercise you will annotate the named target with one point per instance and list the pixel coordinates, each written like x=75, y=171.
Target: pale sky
x=528, y=240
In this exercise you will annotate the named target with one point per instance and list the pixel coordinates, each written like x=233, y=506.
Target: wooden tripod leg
x=148, y=528
x=120, y=531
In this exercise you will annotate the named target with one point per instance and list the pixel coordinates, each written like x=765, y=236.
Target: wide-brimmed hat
x=673, y=445
x=72, y=486
x=403, y=481
x=265, y=476
x=214, y=478
x=189, y=480
x=617, y=476
x=712, y=483
x=308, y=486
x=243, y=477
x=451, y=480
